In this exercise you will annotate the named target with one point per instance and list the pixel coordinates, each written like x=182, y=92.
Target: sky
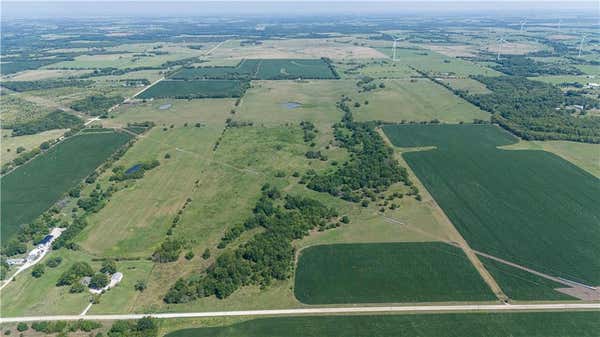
x=111, y=8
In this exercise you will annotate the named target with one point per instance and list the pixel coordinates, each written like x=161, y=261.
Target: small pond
x=291, y=105
x=133, y=169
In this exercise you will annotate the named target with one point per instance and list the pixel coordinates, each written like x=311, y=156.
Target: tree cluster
x=137, y=171
x=518, y=65
x=268, y=256
x=534, y=110
x=144, y=327
x=96, y=105
x=52, y=121
x=371, y=166
x=21, y=86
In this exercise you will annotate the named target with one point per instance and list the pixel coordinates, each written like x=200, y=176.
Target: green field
x=437, y=64
x=34, y=187
x=387, y=272
x=414, y=100
x=194, y=89
x=523, y=206
x=555, y=324
x=269, y=69
x=523, y=286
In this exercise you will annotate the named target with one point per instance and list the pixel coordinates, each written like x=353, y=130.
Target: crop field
x=556, y=324
x=194, y=89
x=269, y=69
x=415, y=100
x=523, y=206
x=584, y=155
x=523, y=286
x=34, y=187
x=387, y=272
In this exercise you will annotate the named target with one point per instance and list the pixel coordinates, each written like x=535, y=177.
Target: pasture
x=265, y=101
x=387, y=272
x=414, y=100
x=9, y=145
x=378, y=68
x=269, y=69
x=437, y=64
x=194, y=89
x=35, y=186
x=556, y=324
x=523, y=206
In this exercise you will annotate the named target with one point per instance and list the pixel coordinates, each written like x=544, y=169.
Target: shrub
x=38, y=270
x=189, y=255
x=108, y=267
x=77, y=288
x=206, y=254
x=140, y=285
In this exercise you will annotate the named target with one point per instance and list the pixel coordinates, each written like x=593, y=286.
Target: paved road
x=314, y=311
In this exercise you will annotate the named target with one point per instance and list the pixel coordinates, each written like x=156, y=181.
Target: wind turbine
x=581, y=45
x=500, y=40
x=394, y=49
x=523, y=23
x=559, y=22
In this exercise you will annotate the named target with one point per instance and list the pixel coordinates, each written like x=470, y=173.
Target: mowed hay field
x=265, y=102
x=555, y=324
x=32, y=188
x=528, y=207
x=139, y=216
x=194, y=89
x=414, y=100
x=387, y=272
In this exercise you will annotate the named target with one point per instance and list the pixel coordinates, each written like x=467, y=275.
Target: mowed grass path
x=387, y=272
x=31, y=189
x=529, y=207
x=555, y=324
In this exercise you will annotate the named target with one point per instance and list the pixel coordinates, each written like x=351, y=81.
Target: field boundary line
x=313, y=311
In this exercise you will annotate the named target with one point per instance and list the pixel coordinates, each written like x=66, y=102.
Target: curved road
x=313, y=311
